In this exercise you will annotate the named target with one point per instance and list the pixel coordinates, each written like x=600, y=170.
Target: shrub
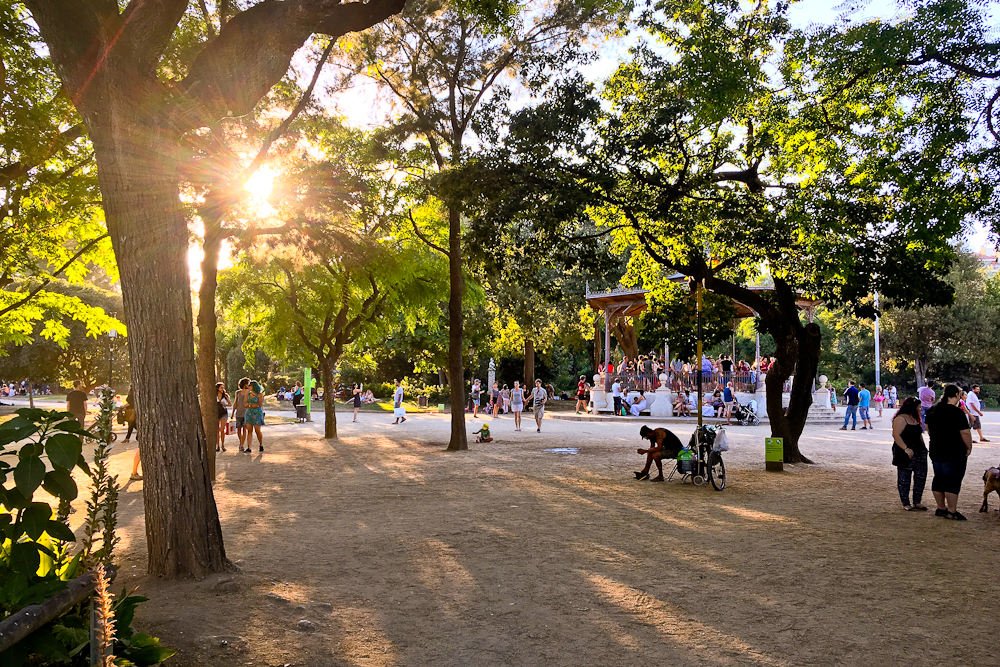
x=990, y=395
x=36, y=558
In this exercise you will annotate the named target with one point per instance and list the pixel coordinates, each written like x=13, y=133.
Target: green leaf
x=44, y=643
x=16, y=429
x=81, y=463
x=70, y=636
x=124, y=612
x=60, y=483
x=71, y=569
x=29, y=450
x=24, y=558
x=14, y=499
x=28, y=475
x=35, y=519
x=64, y=449
x=60, y=531
x=146, y=650
x=69, y=424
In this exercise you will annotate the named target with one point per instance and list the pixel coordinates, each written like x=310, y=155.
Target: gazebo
x=618, y=302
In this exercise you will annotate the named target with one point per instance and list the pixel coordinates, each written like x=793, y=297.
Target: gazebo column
x=607, y=349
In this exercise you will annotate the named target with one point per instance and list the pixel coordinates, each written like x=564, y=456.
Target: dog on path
x=992, y=480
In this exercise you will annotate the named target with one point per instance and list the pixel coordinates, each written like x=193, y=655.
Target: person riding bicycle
x=664, y=445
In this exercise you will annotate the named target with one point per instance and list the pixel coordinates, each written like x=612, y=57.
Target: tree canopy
x=51, y=222
x=721, y=161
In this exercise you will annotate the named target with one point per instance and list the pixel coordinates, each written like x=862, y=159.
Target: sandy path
x=399, y=553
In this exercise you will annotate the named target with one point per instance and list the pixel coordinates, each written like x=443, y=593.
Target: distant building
x=989, y=259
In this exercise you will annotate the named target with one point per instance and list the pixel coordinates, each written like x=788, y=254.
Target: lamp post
x=878, y=355
x=698, y=364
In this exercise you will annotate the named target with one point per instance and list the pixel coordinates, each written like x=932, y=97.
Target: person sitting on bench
x=664, y=445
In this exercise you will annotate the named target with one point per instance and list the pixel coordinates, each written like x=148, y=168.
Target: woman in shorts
x=950, y=447
x=517, y=403
x=255, y=414
x=581, y=394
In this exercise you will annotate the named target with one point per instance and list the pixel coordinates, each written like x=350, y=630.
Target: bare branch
x=423, y=238
x=146, y=29
x=251, y=54
x=277, y=132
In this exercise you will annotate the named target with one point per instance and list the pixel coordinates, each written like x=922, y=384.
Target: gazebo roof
x=626, y=301
x=744, y=311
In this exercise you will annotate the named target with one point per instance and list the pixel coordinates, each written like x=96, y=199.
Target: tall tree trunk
x=529, y=364
x=624, y=332
x=329, y=399
x=920, y=369
x=149, y=233
x=456, y=343
x=207, y=323
x=797, y=350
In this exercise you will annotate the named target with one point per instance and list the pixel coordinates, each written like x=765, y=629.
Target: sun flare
x=260, y=184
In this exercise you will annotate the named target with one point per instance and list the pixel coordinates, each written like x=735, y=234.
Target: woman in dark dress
x=950, y=446
x=357, y=400
x=909, y=454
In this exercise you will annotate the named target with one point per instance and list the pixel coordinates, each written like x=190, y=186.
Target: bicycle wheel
x=717, y=472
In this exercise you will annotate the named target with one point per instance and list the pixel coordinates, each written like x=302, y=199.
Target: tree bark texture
x=920, y=370
x=207, y=324
x=529, y=364
x=329, y=399
x=456, y=343
x=150, y=237
x=625, y=335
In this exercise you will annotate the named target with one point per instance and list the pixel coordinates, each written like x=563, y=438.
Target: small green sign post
x=308, y=384
x=774, y=454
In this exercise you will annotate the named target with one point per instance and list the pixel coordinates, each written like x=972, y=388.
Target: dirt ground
x=398, y=553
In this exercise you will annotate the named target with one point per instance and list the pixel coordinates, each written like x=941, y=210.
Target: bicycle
x=707, y=465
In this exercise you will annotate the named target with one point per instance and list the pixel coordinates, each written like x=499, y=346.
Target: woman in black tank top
x=909, y=454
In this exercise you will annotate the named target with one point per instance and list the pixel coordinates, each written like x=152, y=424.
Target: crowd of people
x=643, y=372
x=502, y=400
x=10, y=388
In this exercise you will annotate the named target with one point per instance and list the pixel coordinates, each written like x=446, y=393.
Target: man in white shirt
x=616, y=394
x=976, y=410
x=540, y=396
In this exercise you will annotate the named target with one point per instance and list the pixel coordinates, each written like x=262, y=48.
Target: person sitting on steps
x=664, y=445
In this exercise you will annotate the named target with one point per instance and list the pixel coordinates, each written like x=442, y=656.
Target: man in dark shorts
x=664, y=445
x=76, y=402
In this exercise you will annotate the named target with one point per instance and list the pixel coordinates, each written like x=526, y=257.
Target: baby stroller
x=745, y=415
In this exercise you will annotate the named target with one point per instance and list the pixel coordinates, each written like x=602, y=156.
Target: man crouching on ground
x=664, y=445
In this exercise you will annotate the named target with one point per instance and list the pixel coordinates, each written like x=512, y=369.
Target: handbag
x=899, y=457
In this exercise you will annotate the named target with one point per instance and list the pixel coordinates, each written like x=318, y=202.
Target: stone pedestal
x=661, y=407
x=821, y=397
x=598, y=397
